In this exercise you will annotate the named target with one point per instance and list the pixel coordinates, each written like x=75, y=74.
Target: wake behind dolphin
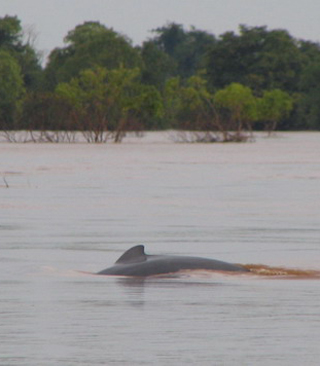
x=134, y=262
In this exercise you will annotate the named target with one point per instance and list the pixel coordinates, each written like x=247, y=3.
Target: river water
x=68, y=210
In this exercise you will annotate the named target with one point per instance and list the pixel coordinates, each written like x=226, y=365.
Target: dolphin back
x=134, y=262
x=133, y=255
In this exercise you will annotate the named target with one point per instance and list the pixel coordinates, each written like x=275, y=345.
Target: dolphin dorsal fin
x=133, y=255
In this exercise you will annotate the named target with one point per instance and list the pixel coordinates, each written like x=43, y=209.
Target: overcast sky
x=52, y=19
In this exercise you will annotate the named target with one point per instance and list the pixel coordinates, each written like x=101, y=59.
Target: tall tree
x=170, y=37
x=89, y=45
x=310, y=52
x=257, y=58
x=238, y=107
x=309, y=100
x=307, y=115
x=107, y=103
x=273, y=106
x=10, y=32
x=189, y=106
x=11, y=90
x=12, y=41
x=186, y=48
x=157, y=66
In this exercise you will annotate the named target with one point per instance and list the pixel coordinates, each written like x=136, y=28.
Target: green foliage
x=237, y=108
x=239, y=101
x=84, y=33
x=196, y=105
x=146, y=110
x=170, y=37
x=172, y=100
x=273, y=106
x=11, y=40
x=10, y=32
x=88, y=88
x=185, y=79
x=93, y=104
x=189, y=108
x=110, y=100
x=310, y=53
x=309, y=101
x=29, y=62
x=223, y=116
x=46, y=111
x=157, y=66
x=90, y=45
x=257, y=58
x=11, y=90
x=186, y=49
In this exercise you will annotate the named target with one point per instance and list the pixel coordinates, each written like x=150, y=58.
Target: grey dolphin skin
x=134, y=262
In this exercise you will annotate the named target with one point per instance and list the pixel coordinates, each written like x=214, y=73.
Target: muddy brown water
x=72, y=208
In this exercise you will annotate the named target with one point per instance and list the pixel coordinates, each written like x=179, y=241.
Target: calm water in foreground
x=69, y=209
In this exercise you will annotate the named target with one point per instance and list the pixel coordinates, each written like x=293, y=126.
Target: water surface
x=67, y=208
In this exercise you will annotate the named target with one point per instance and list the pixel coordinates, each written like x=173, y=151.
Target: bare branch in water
x=5, y=182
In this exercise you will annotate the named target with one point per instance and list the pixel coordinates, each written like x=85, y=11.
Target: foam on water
x=282, y=272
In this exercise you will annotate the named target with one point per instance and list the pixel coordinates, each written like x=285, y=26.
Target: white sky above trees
x=52, y=19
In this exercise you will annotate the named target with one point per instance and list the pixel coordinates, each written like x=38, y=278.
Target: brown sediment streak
x=263, y=270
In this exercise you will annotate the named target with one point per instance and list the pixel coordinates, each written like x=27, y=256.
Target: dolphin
x=135, y=262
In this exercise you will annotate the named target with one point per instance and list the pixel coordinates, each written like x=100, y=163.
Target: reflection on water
x=79, y=207
x=165, y=281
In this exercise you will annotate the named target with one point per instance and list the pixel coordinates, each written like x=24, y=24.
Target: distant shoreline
x=145, y=137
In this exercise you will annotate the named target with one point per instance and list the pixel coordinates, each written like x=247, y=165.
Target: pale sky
x=52, y=19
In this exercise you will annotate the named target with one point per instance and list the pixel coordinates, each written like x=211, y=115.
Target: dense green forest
x=99, y=84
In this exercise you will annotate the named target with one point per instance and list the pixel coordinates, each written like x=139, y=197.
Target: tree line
x=212, y=88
